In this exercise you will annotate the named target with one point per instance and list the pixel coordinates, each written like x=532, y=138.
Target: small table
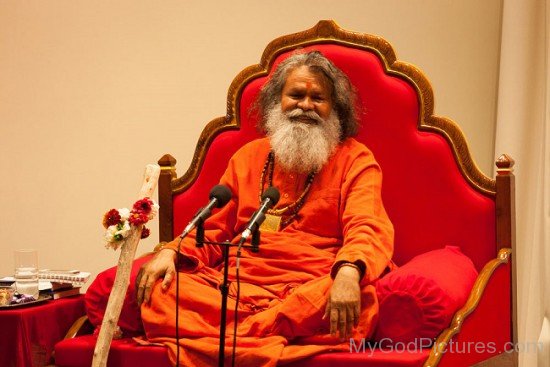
x=29, y=333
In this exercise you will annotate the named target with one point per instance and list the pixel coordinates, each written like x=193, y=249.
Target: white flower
x=114, y=235
x=154, y=210
x=110, y=233
x=124, y=214
x=125, y=230
x=110, y=238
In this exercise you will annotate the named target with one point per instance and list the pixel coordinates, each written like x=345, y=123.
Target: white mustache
x=298, y=112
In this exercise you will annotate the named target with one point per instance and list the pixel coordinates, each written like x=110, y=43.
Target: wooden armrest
x=81, y=326
x=471, y=304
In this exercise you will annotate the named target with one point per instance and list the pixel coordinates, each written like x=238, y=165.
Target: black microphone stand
x=224, y=287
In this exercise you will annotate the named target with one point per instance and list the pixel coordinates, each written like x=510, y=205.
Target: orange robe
x=284, y=287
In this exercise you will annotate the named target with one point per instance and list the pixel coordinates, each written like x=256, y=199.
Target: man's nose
x=306, y=104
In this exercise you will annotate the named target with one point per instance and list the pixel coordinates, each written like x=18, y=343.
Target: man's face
x=307, y=91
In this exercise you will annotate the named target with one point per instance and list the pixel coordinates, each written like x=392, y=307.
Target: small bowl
x=6, y=295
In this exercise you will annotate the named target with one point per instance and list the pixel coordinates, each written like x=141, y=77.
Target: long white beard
x=301, y=147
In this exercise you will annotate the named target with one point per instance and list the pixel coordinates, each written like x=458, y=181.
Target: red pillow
x=97, y=296
x=419, y=299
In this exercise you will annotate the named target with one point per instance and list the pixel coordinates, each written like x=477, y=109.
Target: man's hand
x=344, y=303
x=162, y=265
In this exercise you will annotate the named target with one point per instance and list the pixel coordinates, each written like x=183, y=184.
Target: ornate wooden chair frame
x=497, y=276
x=501, y=188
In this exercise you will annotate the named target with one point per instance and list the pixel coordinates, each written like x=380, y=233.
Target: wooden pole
x=122, y=278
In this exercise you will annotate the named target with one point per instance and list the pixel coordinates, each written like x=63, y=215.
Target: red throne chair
x=454, y=226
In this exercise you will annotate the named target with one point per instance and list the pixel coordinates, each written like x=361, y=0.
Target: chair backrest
x=434, y=193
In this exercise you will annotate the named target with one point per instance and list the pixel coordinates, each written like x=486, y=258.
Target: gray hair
x=342, y=94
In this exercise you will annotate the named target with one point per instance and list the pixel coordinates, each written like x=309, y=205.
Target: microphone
x=219, y=196
x=269, y=199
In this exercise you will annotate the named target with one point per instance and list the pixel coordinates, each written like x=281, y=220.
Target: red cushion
x=419, y=299
x=97, y=297
x=79, y=352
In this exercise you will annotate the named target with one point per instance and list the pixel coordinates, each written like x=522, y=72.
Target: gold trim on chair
x=76, y=327
x=473, y=300
x=327, y=31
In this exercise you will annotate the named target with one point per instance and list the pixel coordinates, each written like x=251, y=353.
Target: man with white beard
x=328, y=240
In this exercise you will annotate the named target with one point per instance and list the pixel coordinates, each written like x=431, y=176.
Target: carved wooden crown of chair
x=433, y=192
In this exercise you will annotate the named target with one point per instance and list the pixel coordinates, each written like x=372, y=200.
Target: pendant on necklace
x=272, y=223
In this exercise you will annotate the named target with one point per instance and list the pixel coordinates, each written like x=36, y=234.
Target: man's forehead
x=309, y=77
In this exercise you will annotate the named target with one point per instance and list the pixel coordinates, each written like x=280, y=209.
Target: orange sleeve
x=366, y=229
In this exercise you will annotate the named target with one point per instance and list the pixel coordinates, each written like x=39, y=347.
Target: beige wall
x=90, y=92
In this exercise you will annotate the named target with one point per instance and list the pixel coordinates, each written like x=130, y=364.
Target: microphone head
x=221, y=193
x=272, y=194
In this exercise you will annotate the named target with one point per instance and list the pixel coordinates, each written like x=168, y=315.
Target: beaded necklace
x=278, y=218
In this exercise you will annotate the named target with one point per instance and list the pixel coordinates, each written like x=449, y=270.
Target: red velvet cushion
x=97, y=296
x=79, y=352
x=419, y=299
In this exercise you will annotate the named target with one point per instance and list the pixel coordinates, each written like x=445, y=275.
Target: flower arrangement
x=119, y=222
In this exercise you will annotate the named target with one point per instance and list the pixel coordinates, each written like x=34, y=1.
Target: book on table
x=74, y=277
x=57, y=290
x=63, y=293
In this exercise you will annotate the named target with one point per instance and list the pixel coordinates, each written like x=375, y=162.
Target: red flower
x=145, y=232
x=137, y=218
x=143, y=206
x=111, y=218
